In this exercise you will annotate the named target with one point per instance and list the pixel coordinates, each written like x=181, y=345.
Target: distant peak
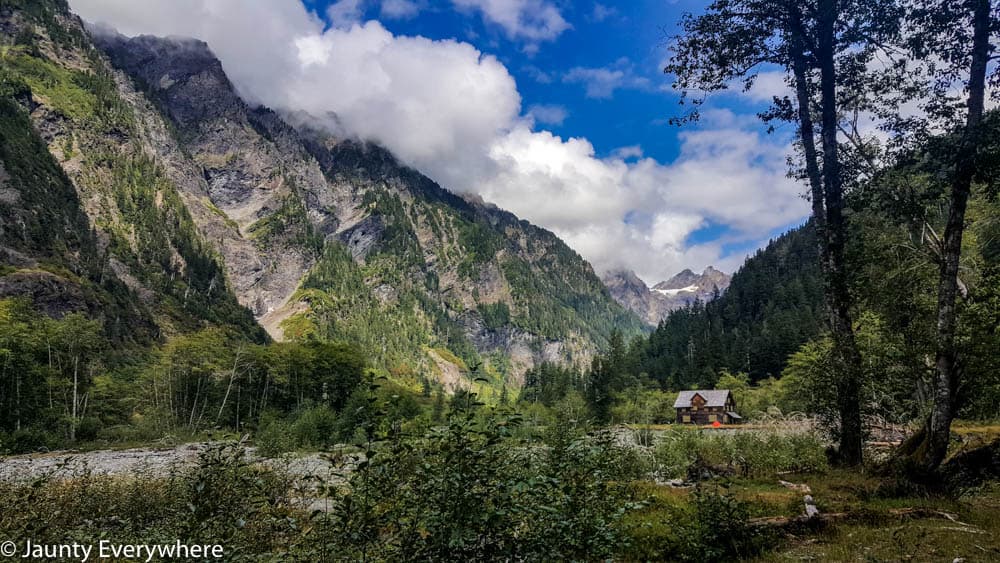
x=623, y=274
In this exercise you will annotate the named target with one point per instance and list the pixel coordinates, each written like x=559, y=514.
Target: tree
x=75, y=343
x=606, y=377
x=953, y=39
x=821, y=45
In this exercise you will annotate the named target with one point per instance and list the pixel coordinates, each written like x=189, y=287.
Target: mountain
x=633, y=294
x=687, y=286
x=677, y=292
x=177, y=205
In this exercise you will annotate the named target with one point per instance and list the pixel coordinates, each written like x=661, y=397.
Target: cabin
x=706, y=407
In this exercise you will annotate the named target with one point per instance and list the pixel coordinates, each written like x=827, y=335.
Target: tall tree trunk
x=76, y=387
x=947, y=364
x=229, y=388
x=807, y=133
x=845, y=349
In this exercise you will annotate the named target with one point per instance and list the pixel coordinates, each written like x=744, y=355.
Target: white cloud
x=768, y=85
x=537, y=74
x=344, y=13
x=625, y=153
x=602, y=12
x=640, y=214
x=601, y=82
x=399, y=9
x=530, y=20
x=547, y=114
x=455, y=114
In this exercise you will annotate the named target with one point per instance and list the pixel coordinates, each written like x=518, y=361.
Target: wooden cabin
x=706, y=406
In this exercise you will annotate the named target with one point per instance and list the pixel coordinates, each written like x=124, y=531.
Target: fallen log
x=795, y=486
x=831, y=517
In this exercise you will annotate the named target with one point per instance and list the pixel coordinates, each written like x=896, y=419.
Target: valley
x=262, y=283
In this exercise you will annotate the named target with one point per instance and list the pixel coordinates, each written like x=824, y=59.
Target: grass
x=58, y=86
x=975, y=536
x=215, y=209
x=451, y=358
x=870, y=532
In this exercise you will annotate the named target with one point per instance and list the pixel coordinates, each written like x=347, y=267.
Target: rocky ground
x=158, y=462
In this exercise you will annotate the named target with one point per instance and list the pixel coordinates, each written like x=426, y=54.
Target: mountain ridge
x=653, y=304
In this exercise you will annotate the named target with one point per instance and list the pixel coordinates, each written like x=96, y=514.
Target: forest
x=862, y=348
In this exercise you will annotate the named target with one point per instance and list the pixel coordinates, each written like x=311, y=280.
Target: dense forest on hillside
x=773, y=306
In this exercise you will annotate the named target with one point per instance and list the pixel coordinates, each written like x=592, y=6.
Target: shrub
x=314, y=427
x=27, y=440
x=468, y=491
x=274, y=438
x=223, y=500
x=749, y=453
x=716, y=529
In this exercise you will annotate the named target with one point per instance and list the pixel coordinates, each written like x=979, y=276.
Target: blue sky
x=552, y=109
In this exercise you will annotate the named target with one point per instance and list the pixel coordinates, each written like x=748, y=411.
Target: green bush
x=275, y=438
x=222, y=500
x=28, y=440
x=312, y=428
x=315, y=427
x=748, y=453
x=468, y=491
x=716, y=529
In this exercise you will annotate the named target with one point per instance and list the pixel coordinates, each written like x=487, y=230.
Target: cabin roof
x=713, y=397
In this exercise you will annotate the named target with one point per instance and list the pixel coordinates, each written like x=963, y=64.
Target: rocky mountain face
x=653, y=305
x=183, y=207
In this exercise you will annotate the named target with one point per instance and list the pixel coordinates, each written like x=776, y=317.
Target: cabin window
x=711, y=418
x=686, y=418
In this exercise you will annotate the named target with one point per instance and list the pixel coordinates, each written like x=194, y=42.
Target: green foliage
x=495, y=315
x=717, y=529
x=684, y=451
x=289, y=223
x=59, y=87
x=480, y=244
x=548, y=383
x=312, y=428
x=463, y=492
x=47, y=368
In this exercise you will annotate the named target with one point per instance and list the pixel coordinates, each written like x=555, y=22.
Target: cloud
x=547, y=114
x=602, y=12
x=455, y=113
x=625, y=153
x=344, y=13
x=537, y=74
x=602, y=82
x=533, y=21
x=399, y=9
x=768, y=85
x=640, y=215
